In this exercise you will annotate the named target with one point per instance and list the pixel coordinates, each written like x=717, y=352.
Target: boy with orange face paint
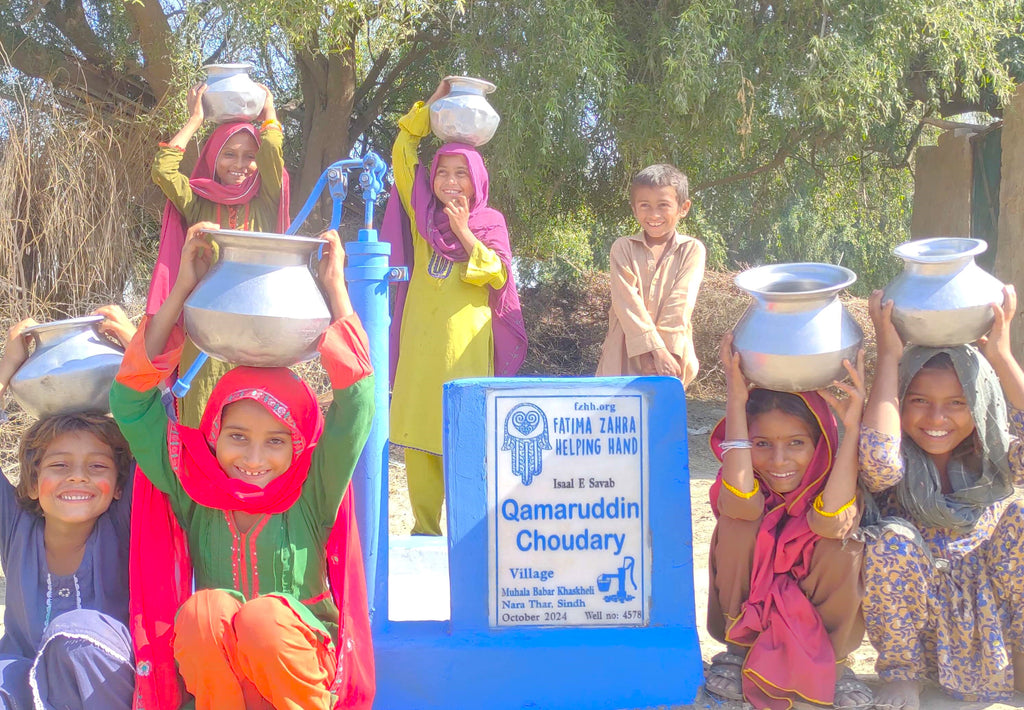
x=64, y=551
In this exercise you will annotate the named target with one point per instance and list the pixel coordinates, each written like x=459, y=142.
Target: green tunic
x=262, y=218
x=263, y=207
x=282, y=553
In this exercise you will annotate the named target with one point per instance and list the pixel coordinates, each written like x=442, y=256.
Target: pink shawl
x=204, y=184
x=791, y=656
x=487, y=224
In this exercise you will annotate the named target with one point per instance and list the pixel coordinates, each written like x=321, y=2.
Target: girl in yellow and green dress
x=459, y=315
x=239, y=182
x=943, y=581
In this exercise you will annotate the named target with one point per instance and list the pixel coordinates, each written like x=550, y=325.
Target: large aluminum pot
x=795, y=334
x=70, y=369
x=464, y=115
x=230, y=94
x=943, y=297
x=259, y=304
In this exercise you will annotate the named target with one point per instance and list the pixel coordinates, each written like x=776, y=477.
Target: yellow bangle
x=270, y=123
x=819, y=505
x=736, y=493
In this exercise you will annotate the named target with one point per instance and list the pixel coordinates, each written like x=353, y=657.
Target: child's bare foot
x=898, y=694
x=1018, y=672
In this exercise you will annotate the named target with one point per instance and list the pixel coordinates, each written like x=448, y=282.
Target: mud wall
x=1010, y=264
x=942, y=187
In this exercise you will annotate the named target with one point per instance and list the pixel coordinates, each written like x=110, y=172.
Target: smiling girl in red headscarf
x=252, y=505
x=785, y=591
x=239, y=182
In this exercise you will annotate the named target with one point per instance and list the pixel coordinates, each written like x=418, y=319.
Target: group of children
x=906, y=527
x=225, y=570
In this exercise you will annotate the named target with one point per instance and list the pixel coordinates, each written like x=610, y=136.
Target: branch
x=371, y=76
x=953, y=125
x=78, y=85
x=69, y=18
x=367, y=113
x=154, y=32
x=780, y=157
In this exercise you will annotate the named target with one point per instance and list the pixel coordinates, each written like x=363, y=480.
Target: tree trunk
x=328, y=84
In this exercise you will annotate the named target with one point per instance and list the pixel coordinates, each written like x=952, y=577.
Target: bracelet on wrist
x=819, y=506
x=739, y=493
x=730, y=444
x=270, y=123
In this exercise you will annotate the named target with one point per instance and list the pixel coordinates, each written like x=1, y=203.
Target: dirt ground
x=702, y=415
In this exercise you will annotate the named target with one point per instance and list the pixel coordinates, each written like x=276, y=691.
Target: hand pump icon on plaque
x=526, y=436
x=604, y=582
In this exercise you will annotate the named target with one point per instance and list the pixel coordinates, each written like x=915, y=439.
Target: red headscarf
x=204, y=184
x=790, y=656
x=158, y=589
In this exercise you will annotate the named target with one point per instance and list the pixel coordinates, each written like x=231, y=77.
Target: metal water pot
x=796, y=333
x=230, y=94
x=943, y=297
x=259, y=304
x=465, y=115
x=70, y=369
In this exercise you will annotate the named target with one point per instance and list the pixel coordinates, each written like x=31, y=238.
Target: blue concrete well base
x=487, y=658
x=549, y=669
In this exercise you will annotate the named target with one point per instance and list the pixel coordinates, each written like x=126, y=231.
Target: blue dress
x=65, y=642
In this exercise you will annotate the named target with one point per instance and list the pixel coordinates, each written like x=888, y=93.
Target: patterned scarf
x=981, y=462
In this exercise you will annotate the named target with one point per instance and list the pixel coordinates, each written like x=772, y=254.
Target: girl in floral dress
x=942, y=571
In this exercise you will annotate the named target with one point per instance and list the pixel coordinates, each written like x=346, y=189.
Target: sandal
x=730, y=667
x=850, y=685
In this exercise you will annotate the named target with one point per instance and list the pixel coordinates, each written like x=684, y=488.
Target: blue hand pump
x=368, y=275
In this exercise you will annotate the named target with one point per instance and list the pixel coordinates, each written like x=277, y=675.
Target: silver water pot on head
x=70, y=369
x=796, y=333
x=259, y=304
x=465, y=115
x=943, y=297
x=230, y=94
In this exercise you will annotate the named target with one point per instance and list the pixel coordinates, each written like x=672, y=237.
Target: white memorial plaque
x=567, y=508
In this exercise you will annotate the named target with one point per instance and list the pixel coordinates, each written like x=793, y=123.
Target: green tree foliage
x=796, y=120
x=335, y=66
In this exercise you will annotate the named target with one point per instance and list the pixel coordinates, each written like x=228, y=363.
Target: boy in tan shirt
x=655, y=277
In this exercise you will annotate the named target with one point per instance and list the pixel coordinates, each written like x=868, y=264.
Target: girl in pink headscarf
x=459, y=315
x=238, y=182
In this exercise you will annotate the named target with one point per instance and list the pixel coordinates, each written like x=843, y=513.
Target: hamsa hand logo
x=526, y=437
